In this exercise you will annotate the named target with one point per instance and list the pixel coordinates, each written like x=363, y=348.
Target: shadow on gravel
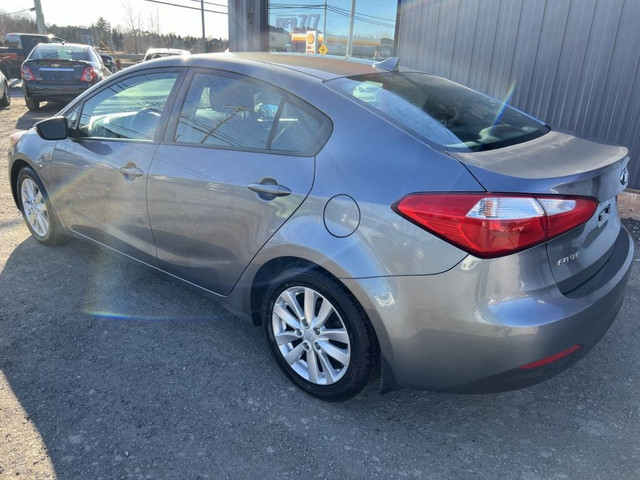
x=116, y=366
x=47, y=110
x=127, y=375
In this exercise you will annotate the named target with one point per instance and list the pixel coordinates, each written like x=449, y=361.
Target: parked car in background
x=109, y=62
x=60, y=72
x=154, y=53
x=5, y=91
x=369, y=218
x=16, y=47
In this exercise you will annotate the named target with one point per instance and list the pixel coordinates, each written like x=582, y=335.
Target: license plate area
x=57, y=74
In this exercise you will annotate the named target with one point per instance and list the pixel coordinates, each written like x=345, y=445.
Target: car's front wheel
x=36, y=208
x=319, y=335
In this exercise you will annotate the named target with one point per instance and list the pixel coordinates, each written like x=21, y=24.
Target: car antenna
x=388, y=65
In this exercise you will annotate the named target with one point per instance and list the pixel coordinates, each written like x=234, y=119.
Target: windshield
x=440, y=111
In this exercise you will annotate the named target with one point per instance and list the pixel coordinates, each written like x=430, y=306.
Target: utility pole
x=204, y=38
x=350, y=38
x=39, y=17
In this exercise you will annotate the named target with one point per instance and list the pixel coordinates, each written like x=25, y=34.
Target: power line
x=186, y=6
x=211, y=3
x=358, y=14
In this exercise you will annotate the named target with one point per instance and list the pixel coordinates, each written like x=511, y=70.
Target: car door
x=238, y=161
x=100, y=171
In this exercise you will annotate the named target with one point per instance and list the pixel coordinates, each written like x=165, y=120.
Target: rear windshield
x=62, y=52
x=440, y=111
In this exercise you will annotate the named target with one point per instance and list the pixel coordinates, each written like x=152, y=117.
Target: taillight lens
x=492, y=225
x=89, y=74
x=26, y=73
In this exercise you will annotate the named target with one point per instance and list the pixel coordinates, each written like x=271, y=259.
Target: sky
x=180, y=21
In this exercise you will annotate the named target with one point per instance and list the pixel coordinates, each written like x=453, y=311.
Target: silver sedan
x=376, y=222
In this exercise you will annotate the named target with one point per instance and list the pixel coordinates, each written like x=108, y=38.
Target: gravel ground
x=108, y=371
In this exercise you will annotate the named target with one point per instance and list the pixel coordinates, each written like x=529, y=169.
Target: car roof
x=321, y=67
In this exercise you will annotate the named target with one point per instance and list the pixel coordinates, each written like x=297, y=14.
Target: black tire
x=33, y=105
x=5, y=101
x=36, y=208
x=317, y=347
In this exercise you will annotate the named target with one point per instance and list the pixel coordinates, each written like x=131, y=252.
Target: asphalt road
x=109, y=371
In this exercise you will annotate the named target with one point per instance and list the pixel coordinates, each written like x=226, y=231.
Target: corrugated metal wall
x=572, y=63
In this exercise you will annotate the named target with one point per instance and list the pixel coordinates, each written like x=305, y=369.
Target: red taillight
x=552, y=358
x=26, y=73
x=492, y=225
x=88, y=75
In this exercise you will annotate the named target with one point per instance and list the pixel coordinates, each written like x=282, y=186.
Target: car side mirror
x=55, y=128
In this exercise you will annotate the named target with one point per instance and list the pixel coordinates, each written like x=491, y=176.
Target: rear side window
x=440, y=111
x=229, y=112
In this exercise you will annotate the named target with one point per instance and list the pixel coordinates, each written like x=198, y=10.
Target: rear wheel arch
x=264, y=275
x=262, y=281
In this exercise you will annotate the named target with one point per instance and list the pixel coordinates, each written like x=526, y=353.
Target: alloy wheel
x=311, y=336
x=34, y=207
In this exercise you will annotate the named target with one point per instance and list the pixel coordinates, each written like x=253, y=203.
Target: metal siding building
x=572, y=63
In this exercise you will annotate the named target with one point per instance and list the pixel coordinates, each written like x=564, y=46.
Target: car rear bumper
x=61, y=92
x=473, y=328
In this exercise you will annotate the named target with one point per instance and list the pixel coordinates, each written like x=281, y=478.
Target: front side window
x=72, y=117
x=440, y=111
x=228, y=112
x=129, y=109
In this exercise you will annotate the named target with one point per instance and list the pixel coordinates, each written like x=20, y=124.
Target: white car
x=153, y=53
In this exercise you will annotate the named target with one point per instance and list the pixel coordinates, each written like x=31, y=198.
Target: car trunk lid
x=561, y=164
x=58, y=70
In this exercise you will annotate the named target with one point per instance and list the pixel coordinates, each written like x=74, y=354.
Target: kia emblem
x=624, y=176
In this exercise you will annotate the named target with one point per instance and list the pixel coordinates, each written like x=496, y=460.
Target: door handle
x=268, y=189
x=131, y=172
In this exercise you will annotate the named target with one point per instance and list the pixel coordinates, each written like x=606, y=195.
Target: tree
x=133, y=21
x=102, y=32
x=118, y=40
x=16, y=23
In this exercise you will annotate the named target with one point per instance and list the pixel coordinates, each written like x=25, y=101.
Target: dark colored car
x=369, y=218
x=109, y=62
x=16, y=48
x=60, y=72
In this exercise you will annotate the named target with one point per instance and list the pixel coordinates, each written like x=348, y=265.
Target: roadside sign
x=312, y=41
x=323, y=49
